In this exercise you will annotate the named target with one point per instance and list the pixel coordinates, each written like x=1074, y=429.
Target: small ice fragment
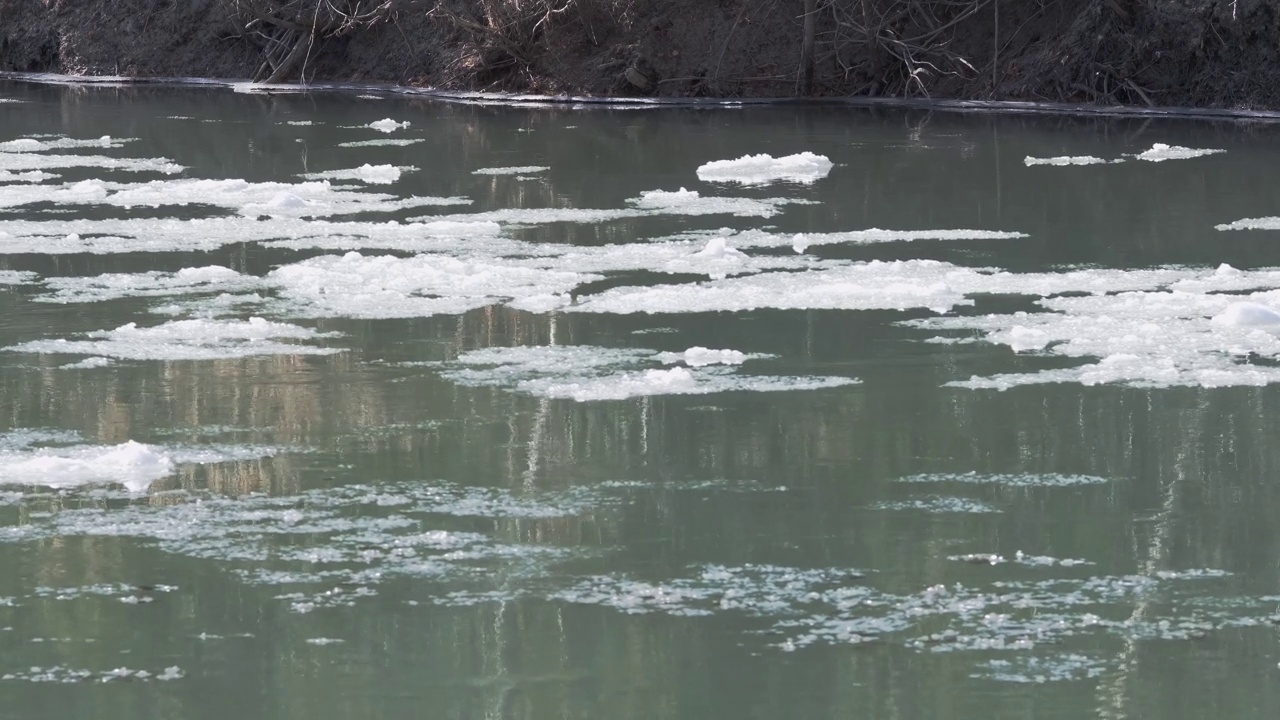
x=1067, y=160
x=519, y=170
x=387, y=125
x=1160, y=152
x=718, y=248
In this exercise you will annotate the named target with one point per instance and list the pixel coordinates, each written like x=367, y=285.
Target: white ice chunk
x=196, y=339
x=131, y=464
x=699, y=357
x=1262, y=223
x=1061, y=160
x=45, y=145
x=1248, y=314
x=517, y=170
x=372, y=174
x=1160, y=152
x=380, y=142
x=762, y=169
x=387, y=125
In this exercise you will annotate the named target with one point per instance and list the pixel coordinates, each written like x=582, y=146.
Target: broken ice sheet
x=111, y=286
x=585, y=373
x=359, y=286
x=1185, y=327
x=715, y=257
x=174, y=235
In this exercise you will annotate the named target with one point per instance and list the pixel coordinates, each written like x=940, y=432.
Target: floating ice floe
x=334, y=547
x=46, y=459
x=1006, y=479
x=173, y=235
x=1063, y=160
x=715, y=258
x=306, y=199
x=196, y=339
x=1160, y=152
x=380, y=142
x=372, y=174
x=31, y=160
x=585, y=373
x=875, y=285
x=25, y=145
x=518, y=170
x=387, y=125
x=1191, y=329
x=111, y=286
x=1019, y=558
x=355, y=285
x=762, y=169
x=650, y=202
x=16, y=277
x=1261, y=223
x=938, y=504
x=64, y=675
x=32, y=176
x=800, y=242
x=89, y=363
x=299, y=123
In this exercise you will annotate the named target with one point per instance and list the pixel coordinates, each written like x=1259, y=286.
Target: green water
x=380, y=539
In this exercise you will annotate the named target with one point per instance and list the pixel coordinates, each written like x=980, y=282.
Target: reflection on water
x=470, y=480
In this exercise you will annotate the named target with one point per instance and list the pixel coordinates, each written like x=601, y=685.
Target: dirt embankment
x=1201, y=53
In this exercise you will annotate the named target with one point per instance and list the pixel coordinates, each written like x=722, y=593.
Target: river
x=344, y=405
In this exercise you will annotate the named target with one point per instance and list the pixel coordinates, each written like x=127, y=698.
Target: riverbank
x=1192, y=53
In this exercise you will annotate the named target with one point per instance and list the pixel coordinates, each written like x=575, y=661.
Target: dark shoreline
x=390, y=90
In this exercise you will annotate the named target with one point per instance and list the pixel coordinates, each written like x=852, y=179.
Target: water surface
x=556, y=439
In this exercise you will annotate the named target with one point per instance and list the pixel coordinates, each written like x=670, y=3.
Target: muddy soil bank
x=1194, y=53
